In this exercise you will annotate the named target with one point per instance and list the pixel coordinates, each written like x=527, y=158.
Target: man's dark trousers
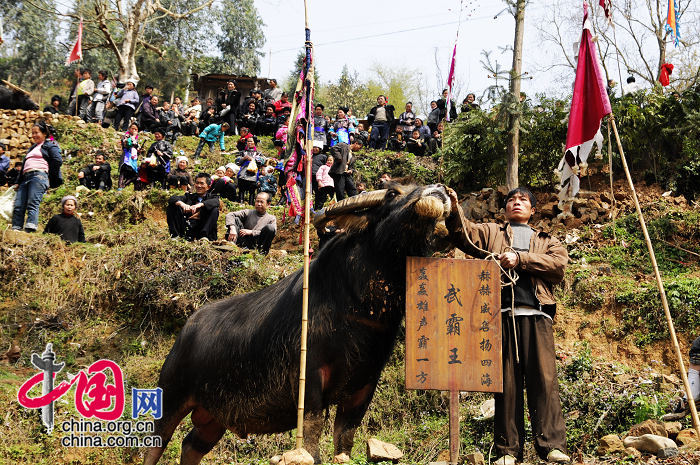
x=181, y=226
x=262, y=241
x=379, y=136
x=343, y=182
x=537, y=371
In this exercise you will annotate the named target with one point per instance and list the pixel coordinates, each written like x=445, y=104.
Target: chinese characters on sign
x=453, y=325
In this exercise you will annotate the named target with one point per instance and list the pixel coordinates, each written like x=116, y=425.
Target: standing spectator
x=209, y=136
x=72, y=97
x=341, y=172
x=229, y=102
x=97, y=175
x=194, y=215
x=99, y=97
x=272, y=94
x=253, y=228
x=41, y=168
x=4, y=163
x=55, y=103
x=380, y=118
x=340, y=132
x=434, y=116
x=351, y=119
x=249, y=161
x=326, y=186
x=180, y=178
x=320, y=127
x=407, y=120
x=66, y=224
x=127, y=100
x=318, y=159
x=84, y=92
x=129, y=166
x=469, y=103
x=158, y=159
x=442, y=105
x=281, y=104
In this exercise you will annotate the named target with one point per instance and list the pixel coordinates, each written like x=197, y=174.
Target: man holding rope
x=532, y=262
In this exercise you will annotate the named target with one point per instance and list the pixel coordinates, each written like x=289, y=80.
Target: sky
x=407, y=34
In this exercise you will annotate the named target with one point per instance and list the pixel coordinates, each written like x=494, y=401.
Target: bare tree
x=517, y=8
x=639, y=41
x=120, y=24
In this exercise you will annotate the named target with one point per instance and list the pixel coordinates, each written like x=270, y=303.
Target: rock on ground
x=609, y=444
x=655, y=427
x=653, y=444
x=296, y=457
x=475, y=458
x=341, y=458
x=379, y=451
x=687, y=437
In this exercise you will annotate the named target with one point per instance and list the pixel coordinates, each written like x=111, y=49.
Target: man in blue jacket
x=210, y=135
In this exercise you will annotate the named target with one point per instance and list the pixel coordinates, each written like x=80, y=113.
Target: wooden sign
x=453, y=325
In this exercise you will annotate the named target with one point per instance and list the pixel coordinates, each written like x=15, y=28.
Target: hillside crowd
x=249, y=173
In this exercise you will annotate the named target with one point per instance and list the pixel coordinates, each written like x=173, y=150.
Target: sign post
x=453, y=330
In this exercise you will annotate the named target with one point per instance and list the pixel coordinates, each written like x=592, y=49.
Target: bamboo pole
x=307, y=214
x=612, y=191
x=659, y=283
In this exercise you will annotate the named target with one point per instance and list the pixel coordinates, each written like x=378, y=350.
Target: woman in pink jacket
x=326, y=187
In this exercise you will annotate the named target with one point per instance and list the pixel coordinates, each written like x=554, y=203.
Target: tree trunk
x=514, y=118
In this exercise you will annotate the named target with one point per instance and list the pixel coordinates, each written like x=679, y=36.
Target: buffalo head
x=400, y=220
x=15, y=100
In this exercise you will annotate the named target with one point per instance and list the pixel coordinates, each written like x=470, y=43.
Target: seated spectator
x=468, y=104
x=13, y=174
x=207, y=116
x=267, y=124
x=422, y=129
x=281, y=138
x=396, y=142
x=318, y=159
x=169, y=121
x=97, y=175
x=148, y=115
x=180, y=178
x=4, y=164
x=326, y=186
x=416, y=144
x=129, y=166
x=283, y=119
x=351, y=118
x=433, y=116
x=249, y=161
x=253, y=228
x=407, y=120
x=209, y=136
x=223, y=182
x=267, y=181
x=321, y=127
x=361, y=188
x=157, y=163
x=194, y=215
x=340, y=131
x=66, y=224
x=243, y=140
x=341, y=171
x=55, y=103
x=281, y=104
x=384, y=181
x=250, y=118
x=361, y=136
x=190, y=123
x=435, y=142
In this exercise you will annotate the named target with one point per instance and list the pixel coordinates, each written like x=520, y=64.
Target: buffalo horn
x=351, y=204
x=14, y=87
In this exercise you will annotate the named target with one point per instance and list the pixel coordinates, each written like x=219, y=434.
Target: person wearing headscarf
x=66, y=224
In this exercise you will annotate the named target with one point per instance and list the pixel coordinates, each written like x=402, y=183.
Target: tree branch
x=151, y=47
x=178, y=16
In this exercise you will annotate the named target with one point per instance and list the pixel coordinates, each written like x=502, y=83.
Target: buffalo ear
x=351, y=222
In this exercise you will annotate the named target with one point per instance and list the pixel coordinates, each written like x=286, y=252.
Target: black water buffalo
x=15, y=100
x=235, y=365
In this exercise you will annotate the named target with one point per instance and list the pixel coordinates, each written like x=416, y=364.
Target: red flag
x=451, y=78
x=607, y=7
x=76, y=52
x=589, y=104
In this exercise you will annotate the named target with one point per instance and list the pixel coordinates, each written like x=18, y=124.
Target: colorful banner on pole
x=673, y=21
x=451, y=78
x=76, y=53
x=589, y=104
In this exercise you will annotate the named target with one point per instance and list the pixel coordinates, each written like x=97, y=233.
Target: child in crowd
x=249, y=161
x=66, y=224
x=4, y=164
x=416, y=145
x=223, y=182
x=180, y=178
x=267, y=181
x=326, y=186
x=13, y=174
x=128, y=170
